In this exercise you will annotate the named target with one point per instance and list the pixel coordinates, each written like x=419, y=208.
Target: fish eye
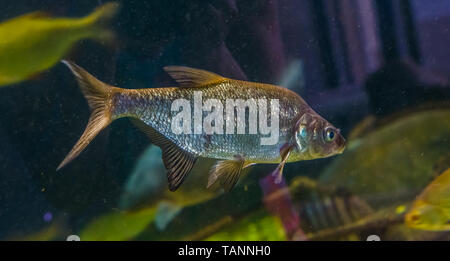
x=330, y=134
x=415, y=219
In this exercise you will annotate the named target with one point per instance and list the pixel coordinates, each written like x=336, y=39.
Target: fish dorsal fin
x=189, y=77
x=29, y=16
x=227, y=172
x=36, y=15
x=177, y=161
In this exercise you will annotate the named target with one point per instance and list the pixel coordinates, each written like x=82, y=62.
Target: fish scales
x=153, y=106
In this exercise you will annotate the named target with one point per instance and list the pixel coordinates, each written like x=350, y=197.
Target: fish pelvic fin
x=98, y=21
x=227, y=173
x=99, y=97
x=189, y=77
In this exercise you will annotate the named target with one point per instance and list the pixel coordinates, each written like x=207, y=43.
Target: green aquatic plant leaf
x=118, y=225
x=258, y=226
x=394, y=162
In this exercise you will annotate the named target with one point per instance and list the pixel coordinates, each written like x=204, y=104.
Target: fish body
x=153, y=107
x=302, y=133
x=34, y=42
x=431, y=209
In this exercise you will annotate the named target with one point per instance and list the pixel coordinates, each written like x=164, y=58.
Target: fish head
x=427, y=217
x=317, y=138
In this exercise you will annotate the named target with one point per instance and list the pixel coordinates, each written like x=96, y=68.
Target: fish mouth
x=343, y=145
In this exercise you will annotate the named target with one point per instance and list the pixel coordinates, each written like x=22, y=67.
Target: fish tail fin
x=99, y=21
x=99, y=97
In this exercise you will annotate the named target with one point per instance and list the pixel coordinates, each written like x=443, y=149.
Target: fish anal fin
x=178, y=164
x=227, y=172
x=142, y=126
x=188, y=77
x=177, y=161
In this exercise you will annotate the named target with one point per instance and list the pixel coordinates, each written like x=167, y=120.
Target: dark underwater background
x=363, y=65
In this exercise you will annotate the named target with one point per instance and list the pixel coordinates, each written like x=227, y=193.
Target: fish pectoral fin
x=177, y=161
x=189, y=77
x=285, y=151
x=227, y=172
